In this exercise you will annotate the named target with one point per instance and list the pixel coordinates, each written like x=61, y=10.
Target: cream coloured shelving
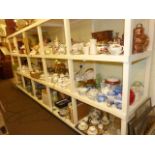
x=126, y=60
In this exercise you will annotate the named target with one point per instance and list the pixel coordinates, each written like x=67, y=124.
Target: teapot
x=115, y=49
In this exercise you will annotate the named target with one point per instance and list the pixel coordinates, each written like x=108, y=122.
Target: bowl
x=82, y=90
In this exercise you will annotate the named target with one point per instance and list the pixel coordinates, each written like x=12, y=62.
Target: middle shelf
x=100, y=105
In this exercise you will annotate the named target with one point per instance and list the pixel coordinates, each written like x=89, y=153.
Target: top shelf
x=41, y=21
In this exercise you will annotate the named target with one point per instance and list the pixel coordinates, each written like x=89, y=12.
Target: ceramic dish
x=92, y=130
x=83, y=126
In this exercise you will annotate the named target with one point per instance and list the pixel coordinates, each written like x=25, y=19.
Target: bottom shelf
x=103, y=126
x=54, y=111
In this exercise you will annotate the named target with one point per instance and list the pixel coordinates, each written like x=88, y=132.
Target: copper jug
x=139, y=30
x=140, y=40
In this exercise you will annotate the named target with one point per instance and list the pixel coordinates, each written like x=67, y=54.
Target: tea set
x=59, y=79
x=97, y=122
x=93, y=48
x=109, y=92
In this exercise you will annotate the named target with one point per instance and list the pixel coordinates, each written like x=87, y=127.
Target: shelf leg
x=124, y=127
x=74, y=107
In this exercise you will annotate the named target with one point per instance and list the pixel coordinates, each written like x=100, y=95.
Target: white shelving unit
x=126, y=60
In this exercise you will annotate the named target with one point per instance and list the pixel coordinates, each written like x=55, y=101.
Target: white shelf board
x=102, y=106
x=35, y=56
x=41, y=21
x=15, y=54
x=18, y=55
x=55, y=56
x=22, y=55
x=65, y=120
x=100, y=57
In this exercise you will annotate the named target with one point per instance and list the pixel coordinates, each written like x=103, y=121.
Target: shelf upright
x=70, y=67
x=12, y=60
x=28, y=60
x=126, y=74
x=18, y=57
x=40, y=35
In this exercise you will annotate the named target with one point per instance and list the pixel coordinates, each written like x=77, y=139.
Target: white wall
x=81, y=30
x=53, y=32
x=152, y=79
x=117, y=25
